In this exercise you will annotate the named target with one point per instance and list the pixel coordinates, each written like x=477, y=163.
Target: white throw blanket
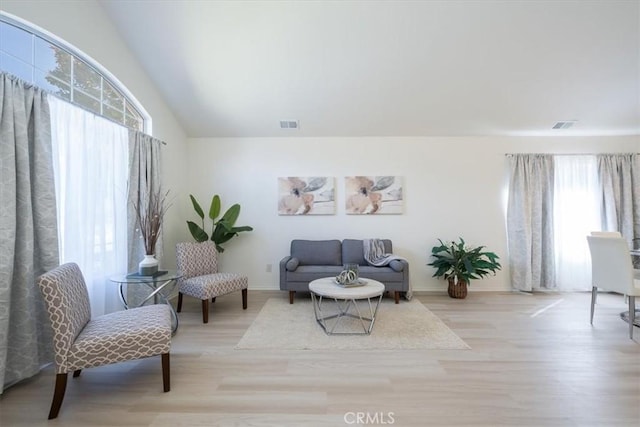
x=375, y=255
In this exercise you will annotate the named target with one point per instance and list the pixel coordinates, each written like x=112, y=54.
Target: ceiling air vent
x=289, y=124
x=564, y=125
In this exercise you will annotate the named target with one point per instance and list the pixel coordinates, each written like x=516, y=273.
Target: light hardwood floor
x=534, y=361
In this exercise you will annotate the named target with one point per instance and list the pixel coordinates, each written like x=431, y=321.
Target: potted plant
x=150, y=213
x=223, y=229
x=458, y=264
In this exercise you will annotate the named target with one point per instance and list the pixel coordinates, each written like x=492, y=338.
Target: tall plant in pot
x=459, y=263
x=223, y=229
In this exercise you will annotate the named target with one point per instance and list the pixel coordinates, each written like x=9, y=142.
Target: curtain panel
x=28, y=228
x=619, y=176
x=144, y=178
x=576, y=208
x=90, y=164
x=561, y=199
x=530, y=221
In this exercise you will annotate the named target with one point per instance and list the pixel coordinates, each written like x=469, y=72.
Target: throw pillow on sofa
x=292, y=264
x=396, y=265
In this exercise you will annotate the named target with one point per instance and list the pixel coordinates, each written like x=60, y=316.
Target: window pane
x=16, y=42
x=134, y=118
x=113, y=114
x=131, y=110
x=133, y=122
x=111, y=96
x=86, y=101
x=44, y=57
x=37, y=59
x=49, y=83
x=62, y=69
x=53, y=59
x=86, y=78
x=16, y=67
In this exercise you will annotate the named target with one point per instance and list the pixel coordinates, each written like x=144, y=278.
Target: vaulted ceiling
x=390, y=68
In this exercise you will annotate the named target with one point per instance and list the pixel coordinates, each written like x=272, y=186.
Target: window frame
x=76, y=54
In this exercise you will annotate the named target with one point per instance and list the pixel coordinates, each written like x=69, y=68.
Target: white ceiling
x=396, y=68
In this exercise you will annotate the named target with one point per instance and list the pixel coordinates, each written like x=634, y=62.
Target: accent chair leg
x=244, y=299
x=632, y=314
x=213, y=299
x=58, y=395
x=179, y=309
x=166, y=372
x=291, y=295
x=594, y=293
x=205, y=310
x=396, y=297
x=76, y=373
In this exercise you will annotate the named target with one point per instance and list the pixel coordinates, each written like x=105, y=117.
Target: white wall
x=453, y=187
x=85, y=25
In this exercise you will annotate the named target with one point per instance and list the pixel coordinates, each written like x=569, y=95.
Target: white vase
x=148, y=266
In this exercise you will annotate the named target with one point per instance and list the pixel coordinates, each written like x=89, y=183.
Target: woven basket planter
x=457, y=290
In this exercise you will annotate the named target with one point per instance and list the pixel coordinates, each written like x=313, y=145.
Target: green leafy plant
x=223, y=229
x=462, y=263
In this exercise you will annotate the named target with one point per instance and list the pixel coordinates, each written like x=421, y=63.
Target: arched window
x=64, y=71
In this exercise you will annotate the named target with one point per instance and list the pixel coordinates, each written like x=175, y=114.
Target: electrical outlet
x=268, y=268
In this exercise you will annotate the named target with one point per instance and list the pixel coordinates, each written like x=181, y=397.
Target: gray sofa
x=314, y=259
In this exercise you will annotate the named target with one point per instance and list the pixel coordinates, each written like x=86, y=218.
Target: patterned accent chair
x=198, y=263
x=81, y=342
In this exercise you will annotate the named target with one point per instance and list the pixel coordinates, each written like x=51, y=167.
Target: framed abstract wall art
x=306, y=195
x=373, y=195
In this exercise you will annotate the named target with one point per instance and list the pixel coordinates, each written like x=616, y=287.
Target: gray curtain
x=619, y=176
x=144, y=177
x=28, y=228
x=530, y=221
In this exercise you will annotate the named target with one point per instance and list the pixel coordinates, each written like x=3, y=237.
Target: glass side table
x=149, y=288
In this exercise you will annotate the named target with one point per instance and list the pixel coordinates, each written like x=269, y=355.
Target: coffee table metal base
x=348, y=304
x=343, y=311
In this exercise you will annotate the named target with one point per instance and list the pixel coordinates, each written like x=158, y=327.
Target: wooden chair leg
x=396, y=297
x=213, y=299
x=205, y=310
x=58, y=395
x=291, y=294
x=244, y=299
x=166, y=372
x=179, y=309
x=76, y=373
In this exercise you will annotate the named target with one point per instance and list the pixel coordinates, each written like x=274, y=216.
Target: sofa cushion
x=307, y=273
x=353, y=251
x=317, y=252
x=292, y=264
x=381, y=274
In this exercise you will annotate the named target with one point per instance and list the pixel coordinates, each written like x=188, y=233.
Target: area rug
x=408, y=325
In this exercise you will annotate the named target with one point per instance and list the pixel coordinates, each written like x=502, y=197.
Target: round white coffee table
x=346, y=299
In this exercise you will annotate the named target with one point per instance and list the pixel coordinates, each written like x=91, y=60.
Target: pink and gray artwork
x=306, y=196
x=373, y=195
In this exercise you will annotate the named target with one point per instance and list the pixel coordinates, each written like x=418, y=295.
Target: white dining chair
x=612, y=270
